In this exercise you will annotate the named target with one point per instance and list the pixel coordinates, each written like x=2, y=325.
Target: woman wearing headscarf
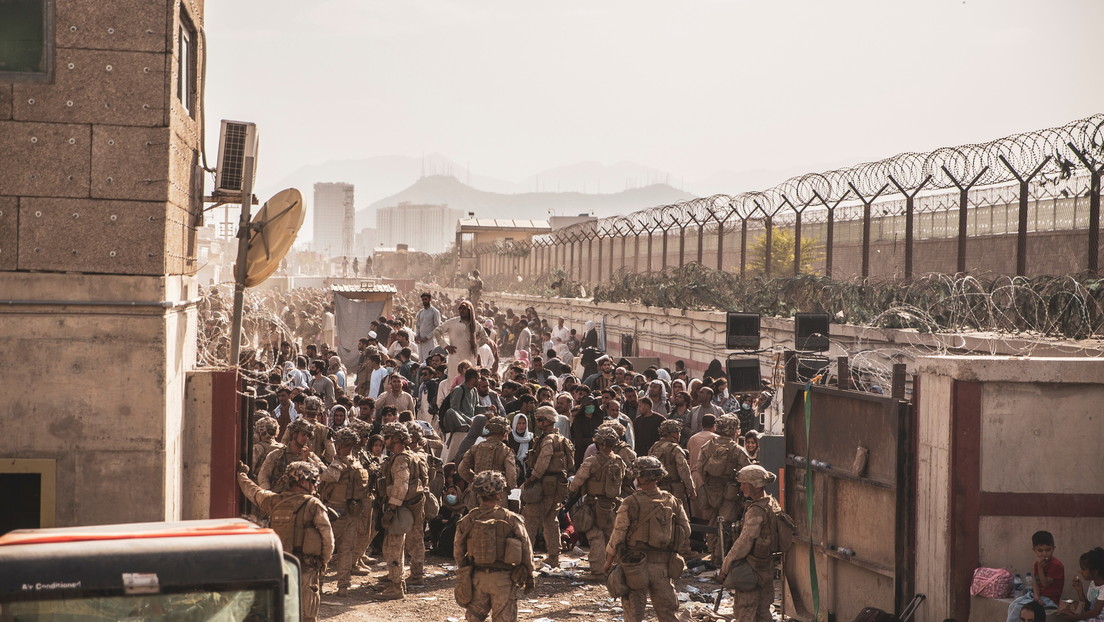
x=590, y=337
x=714, y=371
x=520, y=436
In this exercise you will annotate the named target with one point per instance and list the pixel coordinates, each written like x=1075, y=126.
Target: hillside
x=438, y=189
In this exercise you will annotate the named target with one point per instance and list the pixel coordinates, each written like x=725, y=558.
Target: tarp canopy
x=352, y=319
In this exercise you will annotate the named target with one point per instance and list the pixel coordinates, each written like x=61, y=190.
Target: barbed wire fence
x=1017, y=218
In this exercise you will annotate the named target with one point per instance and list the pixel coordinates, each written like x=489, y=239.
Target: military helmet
x=547, y=413
x=415, y=431
x=615, y=426
x=670, y=426
x=489, y=484
x=606, y=436
x=300, y=425
x=302, y=470
x=396, y=430
x=649, y=467
x=266, y=426
x=312, y=405
x=756, y=476
x=345, y=437
x=362, y=428
x=497, y=425
x=728, y=425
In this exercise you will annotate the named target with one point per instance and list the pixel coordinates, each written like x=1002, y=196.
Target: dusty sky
x=688, y=87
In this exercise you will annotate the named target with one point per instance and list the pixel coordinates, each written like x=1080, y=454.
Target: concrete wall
x=98, y=208
x=1007, y=447
x=697, y=337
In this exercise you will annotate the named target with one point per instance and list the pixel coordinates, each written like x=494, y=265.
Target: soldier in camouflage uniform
x=756, y=544
x=490, y=455
x=430, y=466
x=264, y=441
x=301, y=522
x=300, y=434
x=677, y=480
x=600, y=477
x=403, y=481
x=550, y=460
x=322, y=441
x=493, y=554
x=622, y=449
x=720, y=459
x=371, y=465
x=345, y=490
x=649, y=533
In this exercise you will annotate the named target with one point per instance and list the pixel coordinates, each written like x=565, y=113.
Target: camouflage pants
x=543, y=518
x=493, y=593
x=729, y=510
x=660, y=589
x=310, y=590
x=411, y=545
x=349, y=532
x=598, y=539
x=364, y=539
x=754, y=606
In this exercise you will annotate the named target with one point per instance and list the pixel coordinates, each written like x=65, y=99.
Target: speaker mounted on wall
x=811, y=332
x=743, y=375
x=742, y=331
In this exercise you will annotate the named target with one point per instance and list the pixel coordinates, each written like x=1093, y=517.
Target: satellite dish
x=272, y=233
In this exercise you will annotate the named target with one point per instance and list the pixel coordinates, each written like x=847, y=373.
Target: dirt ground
x=567, y=596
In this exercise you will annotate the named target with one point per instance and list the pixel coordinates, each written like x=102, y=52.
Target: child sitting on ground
x=1091, y=596
x=1049, y=577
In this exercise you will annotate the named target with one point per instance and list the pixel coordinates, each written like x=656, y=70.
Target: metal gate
x=859, y=531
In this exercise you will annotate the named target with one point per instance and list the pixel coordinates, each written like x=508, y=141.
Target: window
x=186, y=66
x=23, y=42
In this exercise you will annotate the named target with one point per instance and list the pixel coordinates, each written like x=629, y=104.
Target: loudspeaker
x=743, y=375
x=742, y=331
x=811, y=332
x=810, y=366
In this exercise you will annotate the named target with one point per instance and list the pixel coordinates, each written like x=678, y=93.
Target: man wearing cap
x=756, y=545
x=649, y=533
x=427, y=321
x=491, y=563
x=302, y=524
x=550, y=460
x=600, y=477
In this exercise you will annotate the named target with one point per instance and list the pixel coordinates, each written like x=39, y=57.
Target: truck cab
x=222, y=570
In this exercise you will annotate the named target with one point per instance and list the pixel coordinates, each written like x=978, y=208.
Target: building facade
x=425, y=228
x=100, y=200
x=334, y=213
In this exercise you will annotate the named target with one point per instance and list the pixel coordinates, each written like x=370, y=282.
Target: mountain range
x=581, y=188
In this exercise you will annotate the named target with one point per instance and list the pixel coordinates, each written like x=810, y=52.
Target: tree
x=782, y=254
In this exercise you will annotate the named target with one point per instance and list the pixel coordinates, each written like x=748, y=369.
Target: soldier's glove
x=243, y=467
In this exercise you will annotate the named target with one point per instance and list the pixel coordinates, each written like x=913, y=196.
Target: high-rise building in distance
x=333, y=219
x=426, y=228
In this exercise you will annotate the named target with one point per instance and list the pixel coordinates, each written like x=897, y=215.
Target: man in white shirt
x=427, y=321
x=560, y=336
x=525, y=337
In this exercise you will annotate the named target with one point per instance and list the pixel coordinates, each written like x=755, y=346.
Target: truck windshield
x=200, y=606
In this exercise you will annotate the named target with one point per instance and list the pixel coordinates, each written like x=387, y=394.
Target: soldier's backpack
x=718, y=464
x=784, y=532
x=488, y=543
x=655, y=524
x=297, y=537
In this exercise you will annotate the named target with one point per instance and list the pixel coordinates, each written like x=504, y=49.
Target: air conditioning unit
x=237, y=141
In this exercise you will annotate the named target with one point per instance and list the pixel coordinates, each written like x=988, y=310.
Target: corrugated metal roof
x=498, y=223
x=366, y=288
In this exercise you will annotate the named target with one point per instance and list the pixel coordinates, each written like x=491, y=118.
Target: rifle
x=720, y=535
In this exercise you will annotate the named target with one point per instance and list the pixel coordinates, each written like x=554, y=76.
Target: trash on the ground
x=452, y=619
x=429, y=598
x=683, y=597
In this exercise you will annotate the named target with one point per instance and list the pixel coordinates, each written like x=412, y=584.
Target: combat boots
x=393, y=591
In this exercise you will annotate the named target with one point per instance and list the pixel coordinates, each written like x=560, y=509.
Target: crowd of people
x=457, y=416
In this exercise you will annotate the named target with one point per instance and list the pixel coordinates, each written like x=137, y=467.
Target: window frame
x=187, y=58
x=49, y=47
